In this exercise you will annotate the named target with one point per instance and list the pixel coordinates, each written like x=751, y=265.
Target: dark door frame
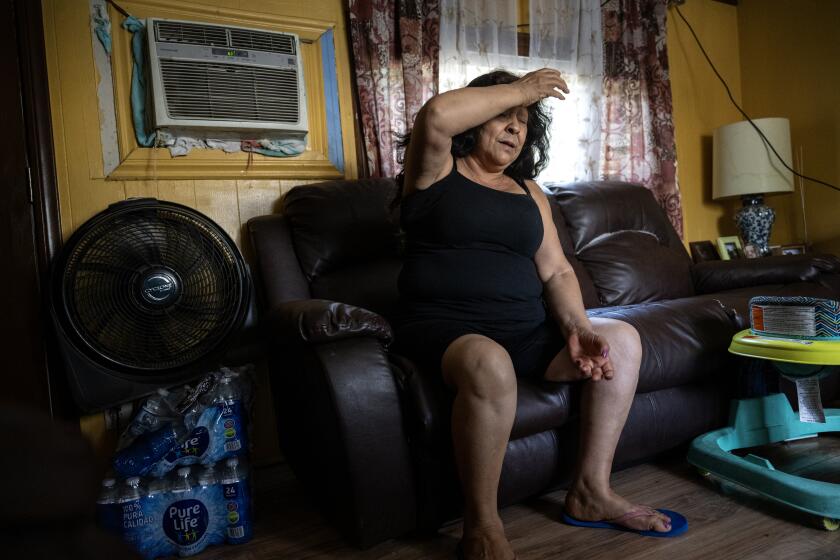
x=31, y=203
x=36, y=112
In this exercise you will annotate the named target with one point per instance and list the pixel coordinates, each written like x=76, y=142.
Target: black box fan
x=145, y=294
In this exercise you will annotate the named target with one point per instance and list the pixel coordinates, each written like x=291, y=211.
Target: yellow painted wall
x=84, y=191
x=700, y=106
x=790, y=61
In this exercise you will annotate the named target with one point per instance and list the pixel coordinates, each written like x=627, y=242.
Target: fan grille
x=102, y=283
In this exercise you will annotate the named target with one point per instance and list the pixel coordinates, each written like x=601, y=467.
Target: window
x=524, y=35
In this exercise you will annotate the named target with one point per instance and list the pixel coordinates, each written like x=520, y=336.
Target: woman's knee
x=623, y=338
x=479, y=365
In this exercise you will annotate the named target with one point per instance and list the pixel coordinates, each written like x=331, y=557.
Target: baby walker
x=801, y=336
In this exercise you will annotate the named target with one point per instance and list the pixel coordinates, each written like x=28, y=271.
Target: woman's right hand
x=540, y=84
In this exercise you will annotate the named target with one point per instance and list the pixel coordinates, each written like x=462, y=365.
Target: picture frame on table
x=794, y=249
x=703, y=251
x=730, y=247
x=751, y=251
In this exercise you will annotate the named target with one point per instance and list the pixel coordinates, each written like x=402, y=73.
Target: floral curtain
x=638, y=129
x=395, y=53
x=477, y=36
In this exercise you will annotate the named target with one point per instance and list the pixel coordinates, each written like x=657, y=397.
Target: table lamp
x=745, y=166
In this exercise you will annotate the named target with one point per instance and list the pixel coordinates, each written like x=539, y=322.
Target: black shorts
x=530, y=351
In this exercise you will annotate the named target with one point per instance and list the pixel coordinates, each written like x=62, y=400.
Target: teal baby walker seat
x=801, y=337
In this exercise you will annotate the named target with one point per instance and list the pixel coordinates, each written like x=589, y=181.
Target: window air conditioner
x=225, y=79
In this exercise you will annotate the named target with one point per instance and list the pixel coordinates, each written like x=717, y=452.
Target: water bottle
x=182, y=483
x=148, y=419
x=138, y=458
x=207, y=477
x=169, y=399
x=241, y=379
x=237, y=498
x=186, y=519
x=155, y=501
x=156, y=495
x=227, y=391
x=193, y=413
x=108, y=515
x=134, y=519
x=209, y=490
x=231, y=425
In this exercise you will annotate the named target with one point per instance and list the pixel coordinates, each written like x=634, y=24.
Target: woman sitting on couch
x=483, y=261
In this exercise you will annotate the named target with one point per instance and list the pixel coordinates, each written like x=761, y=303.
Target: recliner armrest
x=341, y=425
x=716, y=276
x=320, y=320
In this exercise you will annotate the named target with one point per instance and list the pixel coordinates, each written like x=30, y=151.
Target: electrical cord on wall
x=118, y=8
x=732, y=99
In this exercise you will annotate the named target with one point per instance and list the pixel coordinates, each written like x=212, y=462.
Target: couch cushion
x=715, y=276
x=277, y=266
x=683, y=340
x=337, y=223
x=347, y=241
x=633, y=266
x=541, y=406
x=597, y=207
x=587, y=288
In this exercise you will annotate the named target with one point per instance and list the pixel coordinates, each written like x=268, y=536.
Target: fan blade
x=130, y=247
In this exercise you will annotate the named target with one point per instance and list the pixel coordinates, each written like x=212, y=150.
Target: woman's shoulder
x=425, y=183
x=418, y=202
x=535, y=190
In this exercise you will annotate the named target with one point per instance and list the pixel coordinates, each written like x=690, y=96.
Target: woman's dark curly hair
x=534, y=155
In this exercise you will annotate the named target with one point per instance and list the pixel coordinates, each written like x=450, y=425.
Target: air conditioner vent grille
x=230, y=92
x=192, y=33
x=261, y=41
x=211, y=35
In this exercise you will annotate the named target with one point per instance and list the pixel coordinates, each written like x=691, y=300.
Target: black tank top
x=470, y=256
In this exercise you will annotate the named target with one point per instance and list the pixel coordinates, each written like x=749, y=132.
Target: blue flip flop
x=679, y=525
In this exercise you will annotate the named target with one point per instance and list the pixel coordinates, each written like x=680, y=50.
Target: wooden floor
x=724, y=523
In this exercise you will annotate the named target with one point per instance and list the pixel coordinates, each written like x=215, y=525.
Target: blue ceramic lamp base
x=755, y=220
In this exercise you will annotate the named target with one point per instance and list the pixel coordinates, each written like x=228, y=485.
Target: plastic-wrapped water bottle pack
x=181, y=482
x=181, y=514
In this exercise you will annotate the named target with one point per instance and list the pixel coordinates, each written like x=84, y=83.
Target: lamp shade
x=743, y=164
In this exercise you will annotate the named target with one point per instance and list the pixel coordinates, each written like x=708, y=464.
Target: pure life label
x=185, y=522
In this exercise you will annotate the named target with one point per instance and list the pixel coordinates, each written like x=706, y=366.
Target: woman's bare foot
x=588, y=505
x=487, y=542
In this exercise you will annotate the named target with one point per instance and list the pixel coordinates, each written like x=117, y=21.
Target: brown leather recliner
x=368, y=433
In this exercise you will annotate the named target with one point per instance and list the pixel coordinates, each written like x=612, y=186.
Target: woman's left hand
x=590, y=353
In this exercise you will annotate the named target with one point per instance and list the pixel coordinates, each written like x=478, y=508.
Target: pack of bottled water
x=180, y=514
x=181, y=482
x=202, y=424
